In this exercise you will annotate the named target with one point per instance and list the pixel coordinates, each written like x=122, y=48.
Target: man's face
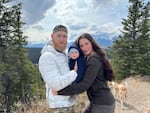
x=60, y=40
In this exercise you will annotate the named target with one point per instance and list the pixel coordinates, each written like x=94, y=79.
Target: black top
x=94, y=82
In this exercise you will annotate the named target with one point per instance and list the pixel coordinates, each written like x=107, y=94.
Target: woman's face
x=86, y=46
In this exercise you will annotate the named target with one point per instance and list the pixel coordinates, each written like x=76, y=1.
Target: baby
x=76, y=57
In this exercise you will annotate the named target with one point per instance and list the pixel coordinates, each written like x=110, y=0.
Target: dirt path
x=128, y=108
x=138, y=100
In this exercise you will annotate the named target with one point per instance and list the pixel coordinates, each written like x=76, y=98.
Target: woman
x=97, y=72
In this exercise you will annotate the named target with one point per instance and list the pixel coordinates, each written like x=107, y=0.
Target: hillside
x=138, y=99
x=33, y=54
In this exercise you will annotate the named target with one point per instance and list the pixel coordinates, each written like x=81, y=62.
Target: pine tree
x=19, y=79
x=4, y=75
x=124, y=49
x=143, y=43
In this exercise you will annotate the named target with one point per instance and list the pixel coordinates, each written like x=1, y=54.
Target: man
x=53, y=66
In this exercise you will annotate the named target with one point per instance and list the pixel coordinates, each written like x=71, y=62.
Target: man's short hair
x=60, y=28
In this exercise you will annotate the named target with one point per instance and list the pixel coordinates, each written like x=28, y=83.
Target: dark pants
x=93, y=108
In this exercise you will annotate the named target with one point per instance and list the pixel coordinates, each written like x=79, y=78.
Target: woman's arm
x=92, y=68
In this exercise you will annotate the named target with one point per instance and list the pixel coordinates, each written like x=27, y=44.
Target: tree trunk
x=1, y=54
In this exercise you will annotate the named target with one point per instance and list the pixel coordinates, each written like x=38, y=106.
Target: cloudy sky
x=79, y=16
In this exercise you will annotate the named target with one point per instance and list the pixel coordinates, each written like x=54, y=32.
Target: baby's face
x=74, y=55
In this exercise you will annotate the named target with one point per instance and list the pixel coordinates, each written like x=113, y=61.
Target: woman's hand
x=54, y=92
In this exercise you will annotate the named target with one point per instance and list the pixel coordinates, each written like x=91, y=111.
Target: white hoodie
x=54, y=69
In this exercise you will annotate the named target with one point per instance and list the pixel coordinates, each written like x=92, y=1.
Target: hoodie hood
x=48, y=48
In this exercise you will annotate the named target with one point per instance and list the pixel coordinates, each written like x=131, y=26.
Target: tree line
x=20, y=80
x=131, y=50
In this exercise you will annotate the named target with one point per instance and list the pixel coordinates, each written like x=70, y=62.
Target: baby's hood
x=76, y=47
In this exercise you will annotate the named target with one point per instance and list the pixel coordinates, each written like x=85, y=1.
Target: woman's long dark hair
x=108, y=71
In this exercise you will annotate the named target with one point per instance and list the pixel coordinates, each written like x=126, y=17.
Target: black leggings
x=93, y=108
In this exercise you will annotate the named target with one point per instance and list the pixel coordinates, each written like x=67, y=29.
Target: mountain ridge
x=104, y=39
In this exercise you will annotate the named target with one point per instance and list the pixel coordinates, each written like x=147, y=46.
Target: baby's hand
x=76, y=66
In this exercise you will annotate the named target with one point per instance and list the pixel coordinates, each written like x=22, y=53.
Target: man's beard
x=60, y=47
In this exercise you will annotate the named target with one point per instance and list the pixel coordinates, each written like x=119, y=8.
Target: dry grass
x=39, y=107
x=42, y=106
x=138, y=100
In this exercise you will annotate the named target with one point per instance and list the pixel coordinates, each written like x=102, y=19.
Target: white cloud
x=63, y=9
x=110, y=28
x=36, y=36
x=96, y=12
x=34, y=10
x=38, y=27
x=79, y=16
x=94, y=4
